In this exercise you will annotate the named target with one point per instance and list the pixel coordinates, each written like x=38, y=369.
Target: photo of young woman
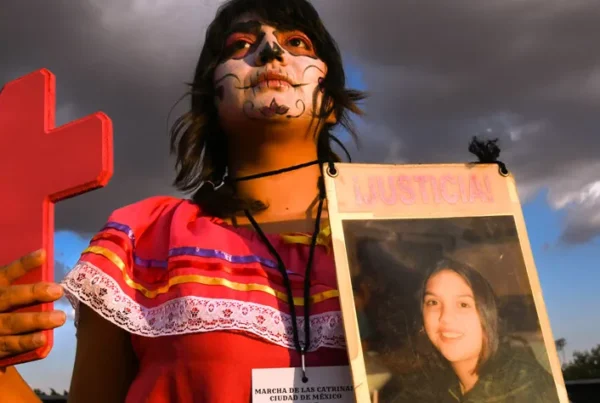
x=446, y=312
x=461, y=321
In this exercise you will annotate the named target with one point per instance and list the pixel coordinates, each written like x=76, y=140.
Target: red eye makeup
x=238, y=45
x=296, y=43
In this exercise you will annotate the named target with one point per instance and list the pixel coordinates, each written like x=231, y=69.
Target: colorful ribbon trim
x=323, y=239
x=205, y=280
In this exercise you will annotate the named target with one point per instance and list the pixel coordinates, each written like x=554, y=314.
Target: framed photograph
x=439, y=291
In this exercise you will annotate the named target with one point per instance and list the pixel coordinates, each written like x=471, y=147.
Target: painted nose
x=270, y=52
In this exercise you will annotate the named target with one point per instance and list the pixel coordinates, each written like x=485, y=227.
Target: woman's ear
x=331, y=119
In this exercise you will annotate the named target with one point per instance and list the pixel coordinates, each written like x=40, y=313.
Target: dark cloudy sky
x=526, y=71
x=439, y=72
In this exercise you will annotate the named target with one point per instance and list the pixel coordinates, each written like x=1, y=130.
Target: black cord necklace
x=302, y=349
x=275, y=172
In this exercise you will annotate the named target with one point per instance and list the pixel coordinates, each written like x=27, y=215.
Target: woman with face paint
x=460, y=320
x=180, y=300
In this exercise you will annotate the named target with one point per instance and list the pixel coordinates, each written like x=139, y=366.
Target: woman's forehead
x=448, y=279
x=254, y=19
x=245, y=17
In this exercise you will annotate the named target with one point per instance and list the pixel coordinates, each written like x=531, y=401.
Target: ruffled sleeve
x=105, y=278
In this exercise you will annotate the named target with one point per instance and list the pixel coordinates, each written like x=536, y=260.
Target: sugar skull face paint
x=268, y=73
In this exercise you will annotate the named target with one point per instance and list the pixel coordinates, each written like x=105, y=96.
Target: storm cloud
x=438, y=72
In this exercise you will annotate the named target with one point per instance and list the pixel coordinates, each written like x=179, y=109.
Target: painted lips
x=272, y=80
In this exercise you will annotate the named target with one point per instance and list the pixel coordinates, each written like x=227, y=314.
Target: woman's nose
x=446, y=315
x=270, y=52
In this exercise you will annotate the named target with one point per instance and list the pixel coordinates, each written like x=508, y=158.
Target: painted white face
x=268, y=74
x=451, y=319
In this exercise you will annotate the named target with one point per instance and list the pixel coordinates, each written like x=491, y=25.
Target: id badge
x=324, y=385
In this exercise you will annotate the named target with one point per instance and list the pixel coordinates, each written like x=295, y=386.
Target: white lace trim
x=88, y=284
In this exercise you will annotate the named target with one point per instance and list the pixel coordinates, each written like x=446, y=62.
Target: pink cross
x=40, y=165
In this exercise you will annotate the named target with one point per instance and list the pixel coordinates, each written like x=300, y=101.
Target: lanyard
x=302, y=349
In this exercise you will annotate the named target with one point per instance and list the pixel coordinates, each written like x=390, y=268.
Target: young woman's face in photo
x=267, y=74
x=450, y=317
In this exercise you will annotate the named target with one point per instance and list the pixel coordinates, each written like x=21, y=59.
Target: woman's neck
x=465, y=371
x=290, y=196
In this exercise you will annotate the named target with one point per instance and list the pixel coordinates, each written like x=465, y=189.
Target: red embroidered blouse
x=203, y=301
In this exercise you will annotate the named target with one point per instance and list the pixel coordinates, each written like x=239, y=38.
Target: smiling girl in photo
x=461, y=322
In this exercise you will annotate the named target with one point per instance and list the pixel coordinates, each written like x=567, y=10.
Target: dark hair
x=485, y=303
x=197, y=138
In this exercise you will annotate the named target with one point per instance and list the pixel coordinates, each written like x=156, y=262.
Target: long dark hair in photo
x=197, y=140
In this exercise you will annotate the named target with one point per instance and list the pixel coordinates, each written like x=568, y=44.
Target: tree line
x=584, y=364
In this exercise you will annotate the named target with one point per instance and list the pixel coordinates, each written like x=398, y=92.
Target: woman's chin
x=457, y=354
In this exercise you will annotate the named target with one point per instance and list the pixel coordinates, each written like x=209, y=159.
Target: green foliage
x=584, y=365
x=53, y=392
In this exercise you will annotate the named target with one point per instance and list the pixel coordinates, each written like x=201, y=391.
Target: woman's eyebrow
x=246, y=27
x=429, y=293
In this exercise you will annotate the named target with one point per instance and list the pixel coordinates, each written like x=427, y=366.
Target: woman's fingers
x=17, y=296
x=20, y=331
x=28, y=322
x=15, y=345
x=18, y=268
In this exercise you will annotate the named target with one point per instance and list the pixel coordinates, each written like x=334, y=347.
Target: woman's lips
x=272, y=84
x=272, y=80
x=450, y=335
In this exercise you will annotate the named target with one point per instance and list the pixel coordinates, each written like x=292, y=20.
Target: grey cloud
x=438, y=72
x=526, y=72
x=101, y=68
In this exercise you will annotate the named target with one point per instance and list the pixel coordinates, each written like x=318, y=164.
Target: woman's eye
x=239, y=45
x=431, y=302
x=465, y=305
x=298, y=43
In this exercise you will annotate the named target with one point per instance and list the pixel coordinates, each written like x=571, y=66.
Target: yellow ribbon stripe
x=323, y=238
x=192, y=278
